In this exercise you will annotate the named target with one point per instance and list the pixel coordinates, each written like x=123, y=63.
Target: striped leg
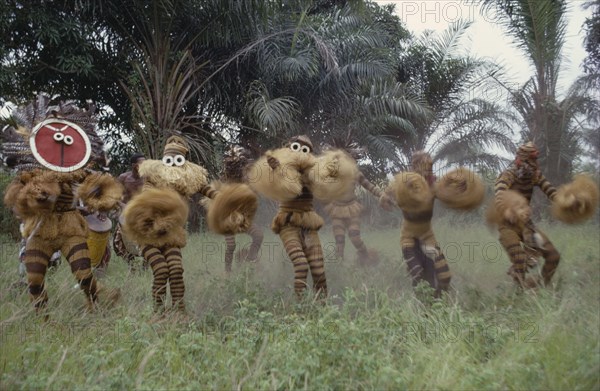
x=37, y=255
x=511, y=241
x=354, y=235
x=551, y=258
x=339, y=233
x=229, y=250
x=256, y=233
x=160, y=272
x=291, y=238
x=440, y=280
x=76, y=251
x=314, y=254
x=175, y=265
x=412, y=258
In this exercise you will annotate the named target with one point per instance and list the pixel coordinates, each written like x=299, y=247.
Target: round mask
x=60, y=145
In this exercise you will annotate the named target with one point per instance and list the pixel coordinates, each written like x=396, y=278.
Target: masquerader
x=156, y=217
x=511, y=212
x=57, y=144
x=292, y=175
x=345, y=214
x=415, y=193
x=236, y=162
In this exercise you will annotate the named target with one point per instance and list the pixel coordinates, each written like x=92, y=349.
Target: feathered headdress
x=59, y=137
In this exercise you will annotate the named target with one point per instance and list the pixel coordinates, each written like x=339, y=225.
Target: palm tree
x=462, y=128
x=332, y=75
x=556, y=126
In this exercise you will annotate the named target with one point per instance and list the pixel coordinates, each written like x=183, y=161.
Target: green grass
x=247, y=331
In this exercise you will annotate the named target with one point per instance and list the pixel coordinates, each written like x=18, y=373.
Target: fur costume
x=576, y=201
x=345, y=210
x=155, y=218
x=415, y=193
x=518, y=235
x=235, y=165
x=57, y=146
x=132, y=183
x=283, y=175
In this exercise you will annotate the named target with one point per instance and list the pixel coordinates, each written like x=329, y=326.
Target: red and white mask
x=60, y=145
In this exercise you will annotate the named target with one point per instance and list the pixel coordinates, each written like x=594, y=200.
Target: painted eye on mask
x=295, y=147
x=305, y=149
x=167, y=161
x=179, y=160
x=61, y=138
x=58, y=136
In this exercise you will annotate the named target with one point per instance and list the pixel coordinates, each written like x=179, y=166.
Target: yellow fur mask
x=186, y=179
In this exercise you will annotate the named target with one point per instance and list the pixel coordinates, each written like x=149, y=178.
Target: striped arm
x=209, y=191
x=504, y=182
x=364, y=182
x=546, y=187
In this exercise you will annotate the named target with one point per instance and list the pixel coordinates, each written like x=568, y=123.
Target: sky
x=487, y=39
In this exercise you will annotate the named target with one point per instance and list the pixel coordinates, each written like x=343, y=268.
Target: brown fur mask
x=156, y=217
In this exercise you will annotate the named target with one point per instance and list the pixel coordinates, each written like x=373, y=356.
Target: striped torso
x=66, y=200
x=509, y=180
x=418, y=223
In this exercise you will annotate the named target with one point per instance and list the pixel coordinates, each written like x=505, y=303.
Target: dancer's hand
x=272, y=161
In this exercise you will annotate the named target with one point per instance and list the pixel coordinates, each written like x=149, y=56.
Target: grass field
x=247, y=331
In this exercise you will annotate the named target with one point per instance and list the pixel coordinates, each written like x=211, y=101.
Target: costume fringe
x=333, y=176
x=156, y=217
x=232, y=209
x=344, y=211
x=460, y=189
x=308, y=220
x=52, y=226
x=576, y=201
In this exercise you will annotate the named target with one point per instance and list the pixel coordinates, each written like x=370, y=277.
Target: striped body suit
x=422, y=254
x=345, y=215
x=166, y=263
x=513, y=236
x=297, y=224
